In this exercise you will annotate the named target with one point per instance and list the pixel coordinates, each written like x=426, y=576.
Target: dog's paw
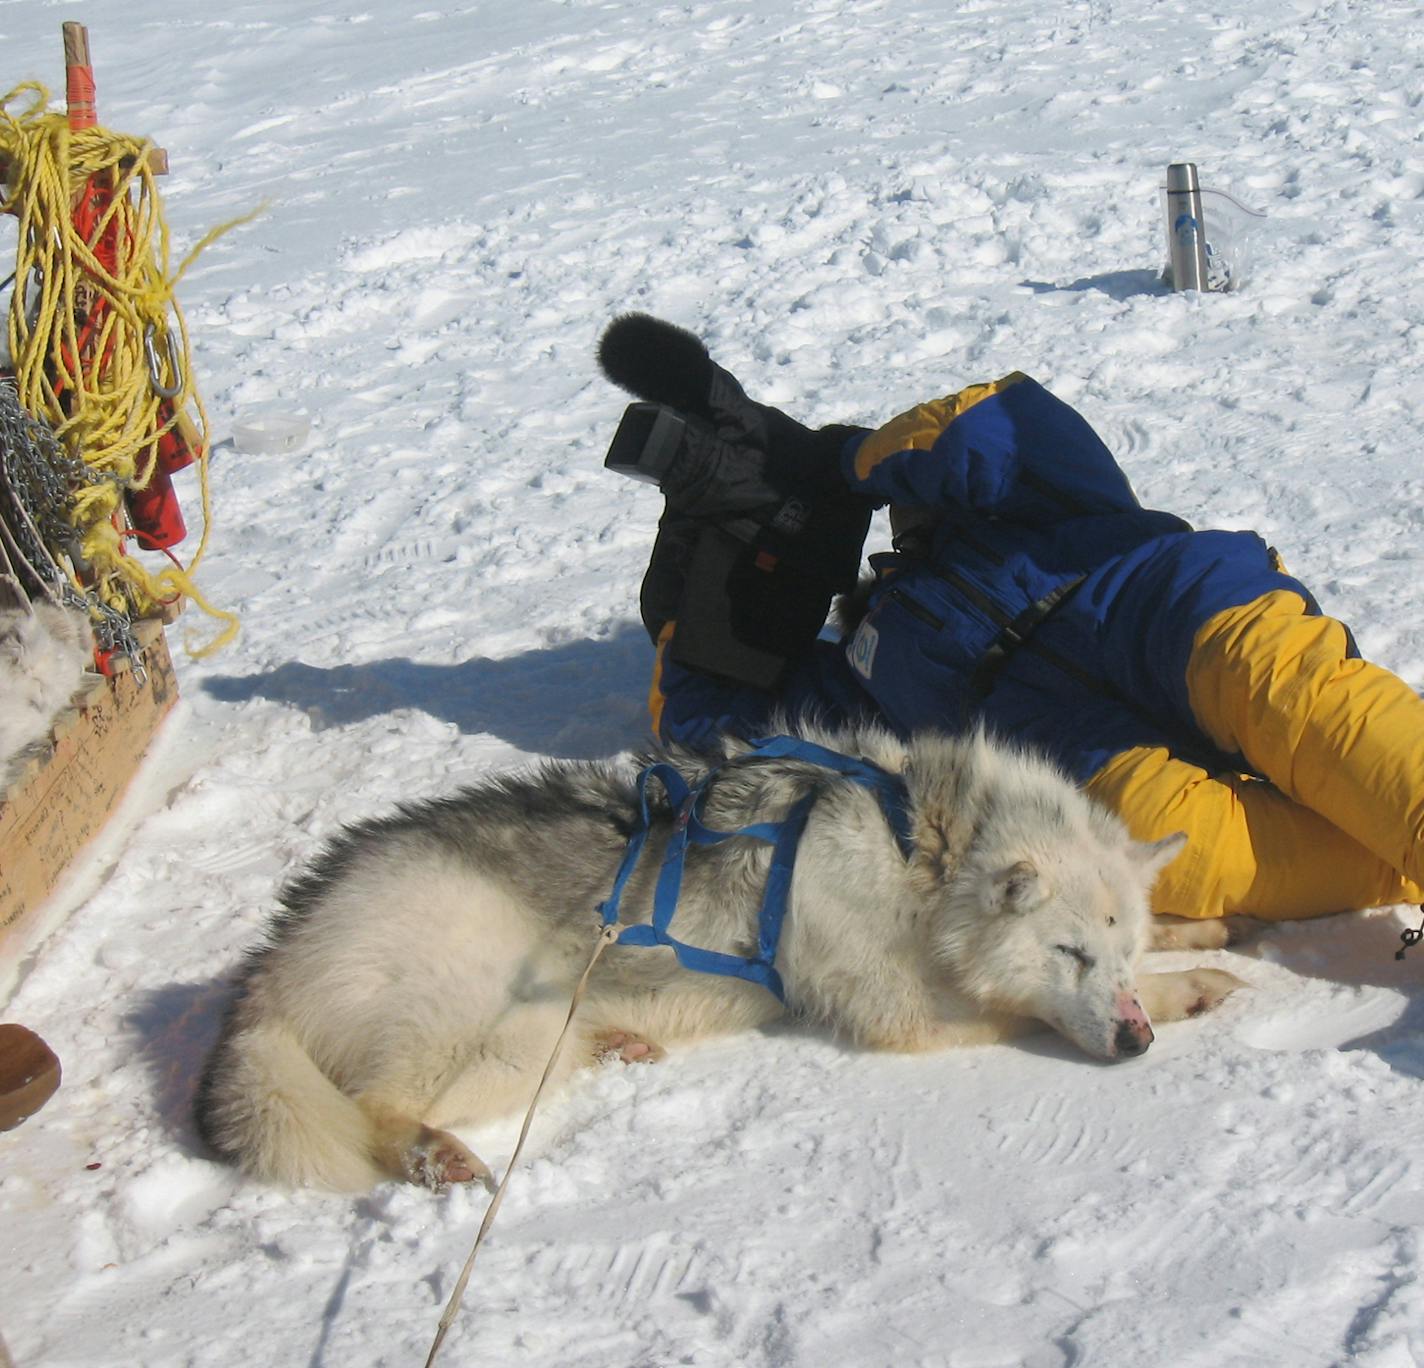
x=1208, y=988
x=1187, y=933
x=1191, y=933
x=438, y=1159
x=626, y=1047
x=1175, y=997
x=1243, y=930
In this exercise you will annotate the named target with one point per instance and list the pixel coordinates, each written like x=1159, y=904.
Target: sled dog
x=420, y=971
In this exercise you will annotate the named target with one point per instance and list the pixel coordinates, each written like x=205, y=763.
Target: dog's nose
x=1131, y=1040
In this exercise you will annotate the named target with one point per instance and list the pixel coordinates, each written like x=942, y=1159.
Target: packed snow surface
x=860, y=204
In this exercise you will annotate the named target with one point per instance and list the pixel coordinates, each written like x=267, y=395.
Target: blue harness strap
x=888, y=788
x=784, y=837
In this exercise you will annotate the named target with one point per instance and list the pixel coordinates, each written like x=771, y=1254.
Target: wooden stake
x=76, y=44
x=79, y=95
x=78, y=77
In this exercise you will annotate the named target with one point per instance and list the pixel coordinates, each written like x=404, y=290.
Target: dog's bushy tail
x=265, y=1105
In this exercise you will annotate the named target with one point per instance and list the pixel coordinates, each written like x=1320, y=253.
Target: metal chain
x=38, y=474
x=40, y=477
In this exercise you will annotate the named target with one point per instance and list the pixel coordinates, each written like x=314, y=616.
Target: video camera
x=749, y=554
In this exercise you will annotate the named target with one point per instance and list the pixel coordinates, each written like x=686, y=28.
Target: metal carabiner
x=155, y=365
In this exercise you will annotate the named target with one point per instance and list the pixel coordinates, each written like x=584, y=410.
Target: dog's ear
x=1154, y=856
x=1017, y=888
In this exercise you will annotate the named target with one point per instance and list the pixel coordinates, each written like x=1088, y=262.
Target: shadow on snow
x=1119, y=285
x=579, y=700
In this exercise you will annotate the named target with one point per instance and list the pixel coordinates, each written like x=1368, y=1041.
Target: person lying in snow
x=1182, y=677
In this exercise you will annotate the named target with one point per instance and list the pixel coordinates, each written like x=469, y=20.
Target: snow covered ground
x=859, y=203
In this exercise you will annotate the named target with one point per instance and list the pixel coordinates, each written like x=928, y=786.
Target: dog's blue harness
x=783, y=837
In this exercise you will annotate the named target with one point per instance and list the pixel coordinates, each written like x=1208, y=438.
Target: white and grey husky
x=421, y=970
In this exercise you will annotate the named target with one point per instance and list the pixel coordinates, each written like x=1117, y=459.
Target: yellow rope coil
x=98, y=393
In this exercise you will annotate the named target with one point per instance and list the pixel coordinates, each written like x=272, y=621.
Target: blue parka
x=1048, y=602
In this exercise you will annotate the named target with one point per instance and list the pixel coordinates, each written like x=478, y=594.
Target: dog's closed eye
x=1074, y=952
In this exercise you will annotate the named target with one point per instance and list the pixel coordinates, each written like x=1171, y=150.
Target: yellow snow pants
x=1337, y=822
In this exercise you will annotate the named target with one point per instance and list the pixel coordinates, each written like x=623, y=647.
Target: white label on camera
x=861, y=650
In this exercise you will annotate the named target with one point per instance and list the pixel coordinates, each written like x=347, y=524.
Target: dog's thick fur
x=422, y=968
x=44, y=652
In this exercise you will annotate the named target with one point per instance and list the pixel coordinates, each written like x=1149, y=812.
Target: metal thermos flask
x=1186, y=229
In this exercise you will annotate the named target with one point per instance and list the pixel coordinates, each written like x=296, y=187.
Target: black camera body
x=746, y=563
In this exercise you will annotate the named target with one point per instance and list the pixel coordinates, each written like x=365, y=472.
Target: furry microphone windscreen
x=657, y=362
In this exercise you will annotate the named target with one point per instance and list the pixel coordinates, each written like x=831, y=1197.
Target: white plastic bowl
x=266, y=432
